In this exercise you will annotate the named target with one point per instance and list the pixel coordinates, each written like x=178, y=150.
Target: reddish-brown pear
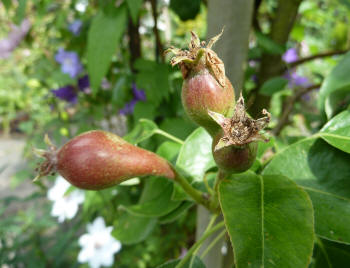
x=97, y=159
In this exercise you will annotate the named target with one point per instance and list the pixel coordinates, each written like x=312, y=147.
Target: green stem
x=169, y=136
x=219, y=177
x=213, y=243
x=198, y=243
x=210, y=225
x=198, y=196
x=210, y=190
x=215, y=198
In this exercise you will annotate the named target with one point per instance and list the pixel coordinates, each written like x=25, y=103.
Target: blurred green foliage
x=106, y=46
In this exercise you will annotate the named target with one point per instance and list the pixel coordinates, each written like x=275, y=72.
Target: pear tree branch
x=284, y=119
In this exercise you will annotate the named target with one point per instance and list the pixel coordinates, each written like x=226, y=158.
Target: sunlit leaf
x=335, y=87
x=337, y=131
x=194, y=159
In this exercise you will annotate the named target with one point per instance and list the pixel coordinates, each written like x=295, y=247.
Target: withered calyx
x=240, y=130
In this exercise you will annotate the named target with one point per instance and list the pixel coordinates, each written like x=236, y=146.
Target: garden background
x=70, y=66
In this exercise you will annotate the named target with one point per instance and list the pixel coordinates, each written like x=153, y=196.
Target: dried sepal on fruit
x=205, y=85
x=240, y=129
x=188, y=59
x=235, y=146
x=48, y=166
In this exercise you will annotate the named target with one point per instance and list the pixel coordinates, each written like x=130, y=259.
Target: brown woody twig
x=159, y=46
x=283, y=120
x=313, y=57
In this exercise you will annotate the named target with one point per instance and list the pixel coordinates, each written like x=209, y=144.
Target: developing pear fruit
x=235, y=146
x=205, y=86
x=97, y=159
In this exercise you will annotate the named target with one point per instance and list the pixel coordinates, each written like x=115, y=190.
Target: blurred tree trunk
x=232, y=48
x=134, y=42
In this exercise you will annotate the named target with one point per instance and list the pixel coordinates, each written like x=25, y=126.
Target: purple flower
x=296, y=80
x=139, y=95
x=290, y=55
x=66, y=93
x=306, y=97
x=252, y=63
x=70, y=63
x=128, y=107
x=84, y=84
x=75, y=27
x=7, y=45
x=254, y=77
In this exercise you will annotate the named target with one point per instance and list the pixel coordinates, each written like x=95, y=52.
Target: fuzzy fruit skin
x=201, y=92
x=97, y=159
x=234, y=159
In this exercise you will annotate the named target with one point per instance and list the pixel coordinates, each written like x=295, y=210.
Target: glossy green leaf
x=196, y=263
x=155, y=200
x=337, y=131
x=273, y=85
x=169, y=150
x=176, y=213
x=103, y=39
x=324, y=172
x=134, y=9
x=269, y=219
x=142, y=131
x=130, y=229
x=194, y=159
x=337, y=80
x=195, y=156
x=329, y=254
x=337, y=101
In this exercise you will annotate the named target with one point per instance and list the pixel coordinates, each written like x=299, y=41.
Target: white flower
x=98, y=245
x=64, y=206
